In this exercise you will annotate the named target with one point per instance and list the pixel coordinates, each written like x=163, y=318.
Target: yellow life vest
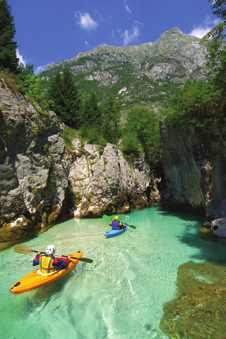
x=46, y=264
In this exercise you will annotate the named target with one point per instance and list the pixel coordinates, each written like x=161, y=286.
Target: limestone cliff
x=33, y=180
x=194, y=162
x=106, y=183
x=40, y=180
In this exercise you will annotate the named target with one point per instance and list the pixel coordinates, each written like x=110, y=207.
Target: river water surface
x=120, y=295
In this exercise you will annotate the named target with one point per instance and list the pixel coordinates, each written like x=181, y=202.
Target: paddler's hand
x=69, y=256
x=38, y=254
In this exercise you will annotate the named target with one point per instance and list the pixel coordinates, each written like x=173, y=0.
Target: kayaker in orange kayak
x=48, y=263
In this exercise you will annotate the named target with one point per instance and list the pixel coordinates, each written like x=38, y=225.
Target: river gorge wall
x=42, y=180
x=194, y=163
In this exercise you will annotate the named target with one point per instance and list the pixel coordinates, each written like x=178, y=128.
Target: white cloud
x=127, y=8
x=210, y=22
x=200, y=30
x=24, y=62
x=20, y=57
x=39, y=69
x=86, y=22
x=130, y=36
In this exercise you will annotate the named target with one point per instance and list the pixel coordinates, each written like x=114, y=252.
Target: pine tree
x=91, y=110
x=214, y=38
x=71, y=99
x=64, y=99
x=110, y=119
x=55, y=96
x=215, y=44
x=8, y=59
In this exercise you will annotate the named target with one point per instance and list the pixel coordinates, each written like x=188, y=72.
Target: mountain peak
x=173, y=32
x=149, y=73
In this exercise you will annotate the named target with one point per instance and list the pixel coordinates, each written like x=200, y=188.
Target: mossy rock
x=198, y=311
x=204, y=230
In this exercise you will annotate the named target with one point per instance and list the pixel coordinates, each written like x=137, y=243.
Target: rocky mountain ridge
x=147, y=73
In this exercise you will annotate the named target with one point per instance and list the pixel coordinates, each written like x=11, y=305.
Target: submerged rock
x=198, y=311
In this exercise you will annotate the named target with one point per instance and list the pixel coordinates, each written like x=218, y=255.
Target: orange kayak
x=34, y=280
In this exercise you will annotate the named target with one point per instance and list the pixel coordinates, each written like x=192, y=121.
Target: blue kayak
x=112, y=233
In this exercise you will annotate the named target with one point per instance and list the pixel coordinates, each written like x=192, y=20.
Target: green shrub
x=68, y=134
x=142, y=133
x=199, y=103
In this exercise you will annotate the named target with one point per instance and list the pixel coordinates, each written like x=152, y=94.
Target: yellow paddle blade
x=22, y=249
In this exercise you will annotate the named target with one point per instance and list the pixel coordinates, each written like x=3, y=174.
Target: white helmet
x=50, y=250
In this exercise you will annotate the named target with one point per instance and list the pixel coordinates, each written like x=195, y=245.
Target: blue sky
x=48, y=31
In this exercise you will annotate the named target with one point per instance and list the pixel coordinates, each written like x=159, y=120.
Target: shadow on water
x=198, y=309
x=211, y=248
x=183, y=216
x=31, y=236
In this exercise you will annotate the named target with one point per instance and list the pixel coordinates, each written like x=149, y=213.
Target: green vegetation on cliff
x=141, y=133
x=8, y=59
x=112, y=94
x=200, y=102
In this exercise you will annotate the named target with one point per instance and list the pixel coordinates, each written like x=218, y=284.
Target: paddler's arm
x=61, y=262
x=36, y=259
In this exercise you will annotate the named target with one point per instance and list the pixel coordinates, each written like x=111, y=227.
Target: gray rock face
x=31, y=172
x=194, y=166
x=36, y=170
x=106, y=182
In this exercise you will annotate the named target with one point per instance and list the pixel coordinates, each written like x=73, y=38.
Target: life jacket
x=116, y=224
x=46, y=264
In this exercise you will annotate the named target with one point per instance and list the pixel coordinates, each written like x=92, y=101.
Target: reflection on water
x=121, y=294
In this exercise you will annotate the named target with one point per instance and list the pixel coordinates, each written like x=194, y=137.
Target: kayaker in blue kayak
x=48, y=263
x=116, y=224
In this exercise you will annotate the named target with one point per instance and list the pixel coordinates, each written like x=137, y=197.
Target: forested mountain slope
x=147, y=73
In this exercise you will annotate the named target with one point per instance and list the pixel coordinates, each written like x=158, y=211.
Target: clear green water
x=120, y=295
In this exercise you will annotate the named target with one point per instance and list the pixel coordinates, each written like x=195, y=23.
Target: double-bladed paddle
x=26, y=249
x=131, y=226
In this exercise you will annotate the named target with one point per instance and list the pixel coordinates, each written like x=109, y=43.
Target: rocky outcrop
x=41, y=180
x=33, y=180
x=194, y=163
x=106, y=183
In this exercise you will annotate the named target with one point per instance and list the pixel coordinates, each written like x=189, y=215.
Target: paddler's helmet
x=116, y=217
x=50, y=250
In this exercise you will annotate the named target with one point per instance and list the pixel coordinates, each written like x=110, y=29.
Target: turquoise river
x=121, y=294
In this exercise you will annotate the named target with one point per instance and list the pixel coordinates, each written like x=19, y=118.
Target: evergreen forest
x=98, y=121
